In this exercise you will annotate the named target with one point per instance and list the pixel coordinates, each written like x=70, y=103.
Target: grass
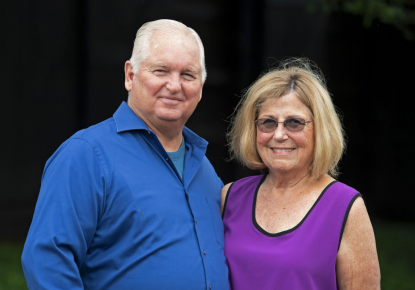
x=395, y=245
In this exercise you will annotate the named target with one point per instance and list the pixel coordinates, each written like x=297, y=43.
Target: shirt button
x=149, y=132
x=167, y=159
x=204, y=252
x=195, y=221
x=210, y=286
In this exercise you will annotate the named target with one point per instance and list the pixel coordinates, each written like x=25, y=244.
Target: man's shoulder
x=93, y=134
x=210, y=172
x=207, y=162
x=85, y=142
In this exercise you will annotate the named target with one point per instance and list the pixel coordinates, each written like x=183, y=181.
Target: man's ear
x=201, y=90
x=129, y=75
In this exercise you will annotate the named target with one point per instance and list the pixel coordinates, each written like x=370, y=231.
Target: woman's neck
x=289, y=181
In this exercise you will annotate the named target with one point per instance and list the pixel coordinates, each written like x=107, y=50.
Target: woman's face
x=283, y=151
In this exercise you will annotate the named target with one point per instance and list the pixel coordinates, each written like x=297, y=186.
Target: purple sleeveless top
x=303, y=257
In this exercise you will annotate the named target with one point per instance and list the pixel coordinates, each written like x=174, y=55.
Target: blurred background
x=62, y=70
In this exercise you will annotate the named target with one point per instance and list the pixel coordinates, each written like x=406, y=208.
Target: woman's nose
x=280, y=132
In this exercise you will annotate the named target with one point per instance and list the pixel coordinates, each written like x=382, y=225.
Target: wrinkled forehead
x=173, y=38
x=174, y=50
x=296, y=104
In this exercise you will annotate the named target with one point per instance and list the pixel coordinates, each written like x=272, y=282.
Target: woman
x=295, y=226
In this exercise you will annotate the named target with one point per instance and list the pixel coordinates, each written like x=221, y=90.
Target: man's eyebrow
x=188, y=69
x=191, y=69
x=161, y=64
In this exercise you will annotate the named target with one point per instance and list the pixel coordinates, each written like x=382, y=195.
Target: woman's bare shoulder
x=223, y=194
x=357, y=263
x=225, y=189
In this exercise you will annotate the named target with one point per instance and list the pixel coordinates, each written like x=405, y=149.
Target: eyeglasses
x=269, y=125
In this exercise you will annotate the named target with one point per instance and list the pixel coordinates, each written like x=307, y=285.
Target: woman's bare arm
x=357, y=265
x=223, y=194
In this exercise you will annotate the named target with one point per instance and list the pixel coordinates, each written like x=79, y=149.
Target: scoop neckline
x=259, y=228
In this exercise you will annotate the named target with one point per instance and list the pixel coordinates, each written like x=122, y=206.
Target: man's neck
x=170, y=144
x=168, y=133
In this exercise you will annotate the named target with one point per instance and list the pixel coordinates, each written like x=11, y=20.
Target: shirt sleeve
x=221, y=182
x=68, y=210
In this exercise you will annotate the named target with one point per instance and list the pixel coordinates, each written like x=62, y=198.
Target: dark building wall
x=370, y=76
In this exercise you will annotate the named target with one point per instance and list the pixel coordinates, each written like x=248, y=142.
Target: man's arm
x=67, y=213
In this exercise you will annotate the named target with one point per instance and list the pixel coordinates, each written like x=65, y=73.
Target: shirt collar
x=191, y=137
x=127, y=120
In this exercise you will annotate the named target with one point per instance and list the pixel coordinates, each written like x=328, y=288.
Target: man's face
x=168, y=86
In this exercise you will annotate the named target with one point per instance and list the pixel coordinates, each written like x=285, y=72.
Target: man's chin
x=173, y=115
x=169, y=117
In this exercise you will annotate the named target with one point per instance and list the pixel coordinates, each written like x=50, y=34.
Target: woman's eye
x=268, y=121
x=294, y=121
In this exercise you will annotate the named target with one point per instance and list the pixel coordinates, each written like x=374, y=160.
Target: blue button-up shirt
x=112, y=213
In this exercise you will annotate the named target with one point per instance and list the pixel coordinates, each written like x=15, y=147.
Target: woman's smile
x=282, y=151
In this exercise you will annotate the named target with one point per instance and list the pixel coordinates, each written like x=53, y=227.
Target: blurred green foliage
x=395, y=244
x=11, y=274
x=399, y=13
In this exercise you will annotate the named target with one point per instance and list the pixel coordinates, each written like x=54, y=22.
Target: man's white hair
x=142, y=41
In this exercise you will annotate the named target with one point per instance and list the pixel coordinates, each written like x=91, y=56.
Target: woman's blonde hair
x=302, y=77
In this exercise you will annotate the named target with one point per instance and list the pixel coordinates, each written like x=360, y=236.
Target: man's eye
x=189, y=76
x=160, y=71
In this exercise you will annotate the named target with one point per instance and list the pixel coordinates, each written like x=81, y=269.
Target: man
x=132, y=202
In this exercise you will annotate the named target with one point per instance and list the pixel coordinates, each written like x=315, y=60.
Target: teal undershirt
x=178, y=159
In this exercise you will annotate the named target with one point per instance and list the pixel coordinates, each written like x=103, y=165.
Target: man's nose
x=174, y=84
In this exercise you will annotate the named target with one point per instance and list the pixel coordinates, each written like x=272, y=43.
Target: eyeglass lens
x=269, y=125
